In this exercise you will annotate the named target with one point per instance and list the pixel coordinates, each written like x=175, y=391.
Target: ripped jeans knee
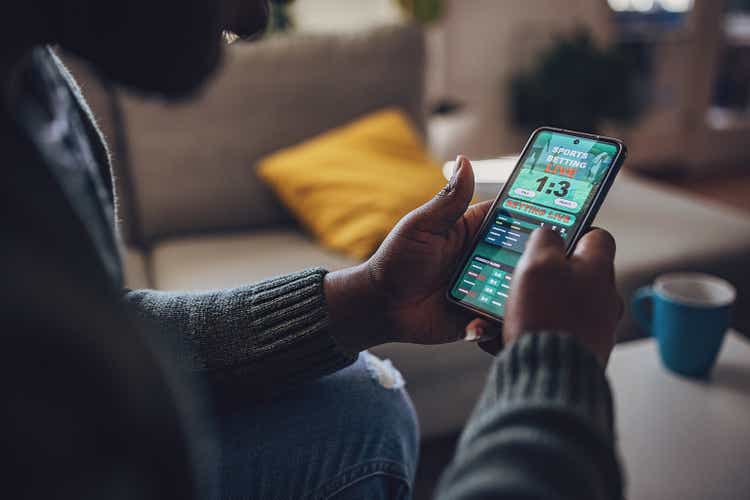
x=383, y=372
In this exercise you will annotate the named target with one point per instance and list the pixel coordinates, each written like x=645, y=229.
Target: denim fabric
x=352, y=434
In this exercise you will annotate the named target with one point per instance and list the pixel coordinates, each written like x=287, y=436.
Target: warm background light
x=643, y=5
x=677, y=5
x=619, y=5
x=649, y=5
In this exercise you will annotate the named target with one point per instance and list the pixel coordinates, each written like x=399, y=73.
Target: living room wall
x=473, y=51
x=488, y=41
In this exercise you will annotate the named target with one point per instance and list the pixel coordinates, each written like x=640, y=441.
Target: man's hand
x=575, y=295
x=398, y=295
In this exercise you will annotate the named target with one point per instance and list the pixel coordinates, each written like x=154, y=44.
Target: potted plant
x=280, y=19
x=423, y=11
x=428, y=13
x=578, y=85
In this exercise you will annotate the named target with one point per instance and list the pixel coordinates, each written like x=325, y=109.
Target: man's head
x=168, y=47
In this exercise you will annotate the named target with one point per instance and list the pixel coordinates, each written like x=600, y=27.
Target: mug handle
x=640, y=296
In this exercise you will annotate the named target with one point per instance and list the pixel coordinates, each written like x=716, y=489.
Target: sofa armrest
x=136, y=268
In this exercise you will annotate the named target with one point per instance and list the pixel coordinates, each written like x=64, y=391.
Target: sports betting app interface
x=557, y=182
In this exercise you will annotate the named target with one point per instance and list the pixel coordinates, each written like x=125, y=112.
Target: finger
x=543, y=244
x=440, y=214
x=493, y=346
x=481, y=330
x=492, y=342
x=596, y=250
x=544, y=239
x=475, y=216
x=544, y=255
x=596, y=244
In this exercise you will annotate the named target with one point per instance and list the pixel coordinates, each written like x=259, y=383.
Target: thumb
x=441, y=213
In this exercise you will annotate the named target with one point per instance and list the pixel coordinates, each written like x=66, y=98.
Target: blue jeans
x=352, y=434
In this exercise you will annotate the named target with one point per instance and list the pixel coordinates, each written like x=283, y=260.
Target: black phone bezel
x=588, y=217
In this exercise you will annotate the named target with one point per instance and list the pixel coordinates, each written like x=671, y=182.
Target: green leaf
x=423, y=11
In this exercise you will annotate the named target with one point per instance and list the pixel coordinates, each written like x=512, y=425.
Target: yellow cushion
x=351, y=185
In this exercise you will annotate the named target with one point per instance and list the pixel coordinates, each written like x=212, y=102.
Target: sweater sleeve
x=268, y=334
x=543, y=428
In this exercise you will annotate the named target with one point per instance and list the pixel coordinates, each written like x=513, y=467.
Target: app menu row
x=486, y=283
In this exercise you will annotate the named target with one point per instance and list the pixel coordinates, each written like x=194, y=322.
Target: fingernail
x=474, y=334
x=456, y=167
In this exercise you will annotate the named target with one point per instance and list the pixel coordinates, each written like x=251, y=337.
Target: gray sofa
x=194, y=215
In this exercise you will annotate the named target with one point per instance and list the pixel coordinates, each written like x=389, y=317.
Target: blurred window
x=651, y=6
x=652, y=32
x=649, y=18
x=730, y=107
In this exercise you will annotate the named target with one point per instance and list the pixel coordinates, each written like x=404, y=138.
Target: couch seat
x=204, y=262
x=661, y=230
x=657, y=230
x=432, y=373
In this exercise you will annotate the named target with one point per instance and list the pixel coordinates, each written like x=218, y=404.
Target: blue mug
x=689, y=318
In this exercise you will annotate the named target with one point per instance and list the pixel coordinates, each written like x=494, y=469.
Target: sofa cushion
x=444, y=381
x=193, y=163
x=657, y=226
x=351, y=185
x=227, y=260
x=660, y=229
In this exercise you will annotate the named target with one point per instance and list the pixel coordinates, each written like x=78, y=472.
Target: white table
x=682, y=438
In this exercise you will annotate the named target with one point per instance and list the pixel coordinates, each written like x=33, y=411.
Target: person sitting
x=265, y=390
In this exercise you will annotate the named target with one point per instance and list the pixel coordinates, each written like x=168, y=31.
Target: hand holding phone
x=559, y=184
x=575, y=295
x=398, y=294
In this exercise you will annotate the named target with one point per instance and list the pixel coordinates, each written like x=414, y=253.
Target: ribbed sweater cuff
x=553, y=371
x=292, y=315
x=287, y=338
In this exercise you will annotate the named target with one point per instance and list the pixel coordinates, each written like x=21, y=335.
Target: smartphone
x=559, y=182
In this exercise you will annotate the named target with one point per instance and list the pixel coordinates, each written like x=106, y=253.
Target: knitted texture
x=267, y=334
x=542, y=429
x=274, y=332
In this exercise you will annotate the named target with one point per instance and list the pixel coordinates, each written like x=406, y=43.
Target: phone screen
x=554, y=185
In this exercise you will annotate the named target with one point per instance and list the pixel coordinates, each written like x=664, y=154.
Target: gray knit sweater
x=277, y=328
x=543, y=428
